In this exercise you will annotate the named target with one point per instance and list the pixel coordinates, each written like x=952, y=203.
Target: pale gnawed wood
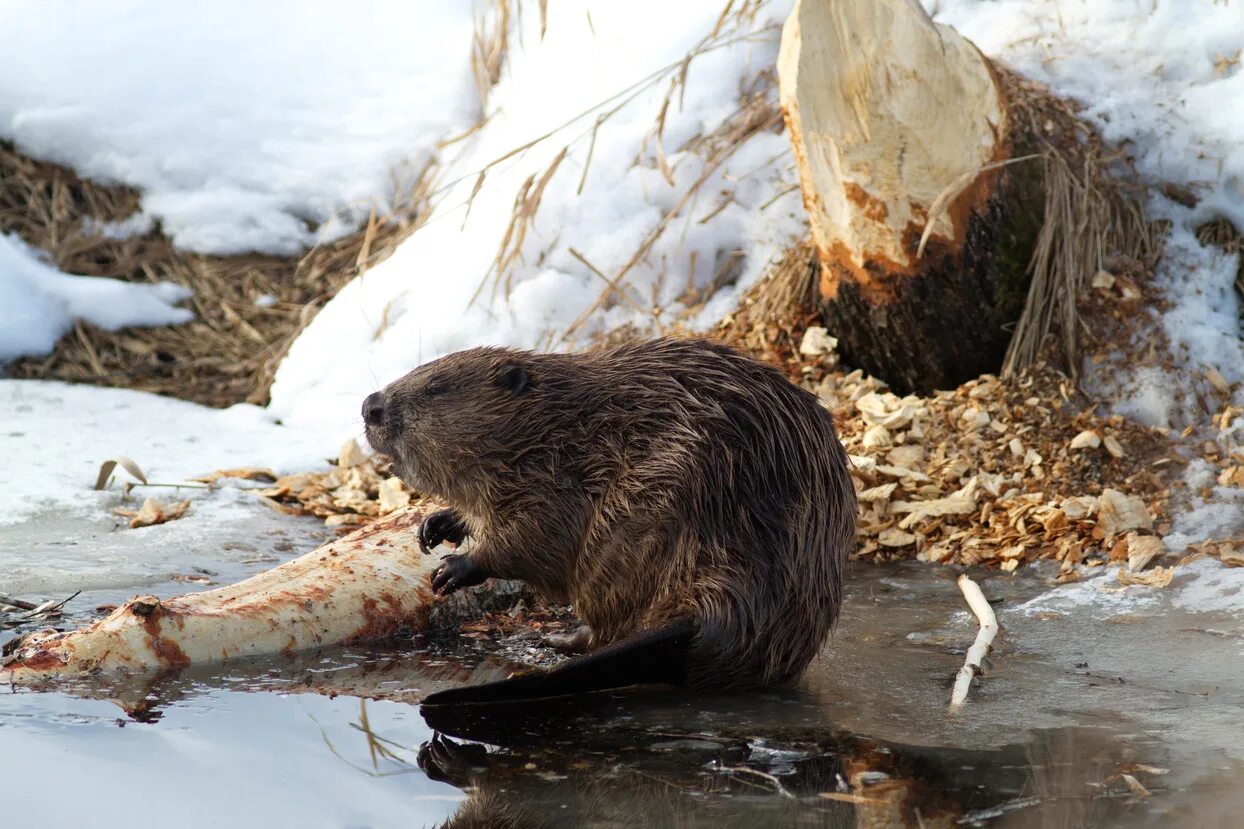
x=980, y=648
x=887, y=111
x=366, y=585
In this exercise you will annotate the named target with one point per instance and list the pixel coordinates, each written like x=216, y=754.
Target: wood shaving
x=154, y=512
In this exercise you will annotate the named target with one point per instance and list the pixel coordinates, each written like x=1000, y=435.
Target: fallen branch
x=366, y=585
x=984, y=638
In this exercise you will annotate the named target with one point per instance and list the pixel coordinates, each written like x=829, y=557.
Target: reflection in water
x=617, y=760
x=598, y=763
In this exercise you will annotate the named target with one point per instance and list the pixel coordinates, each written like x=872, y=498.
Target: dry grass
x=774, y=313
x=1090, y=216
x=230, y=351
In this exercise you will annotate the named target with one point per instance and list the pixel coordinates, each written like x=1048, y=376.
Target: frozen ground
x=56, y=435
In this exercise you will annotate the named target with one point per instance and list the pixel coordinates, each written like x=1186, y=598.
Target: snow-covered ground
x=247, y=126
x=56, y=435
x=596, y=85
x=39, y=303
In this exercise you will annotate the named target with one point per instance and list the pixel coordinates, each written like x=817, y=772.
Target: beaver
x=692, y=504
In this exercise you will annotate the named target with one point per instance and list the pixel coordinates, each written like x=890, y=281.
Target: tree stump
x=898, y=123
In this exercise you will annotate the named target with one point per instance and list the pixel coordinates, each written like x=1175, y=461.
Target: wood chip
x=154, y=512
x=1120, y=513
x=894, y=537
x=1113, y=446
x=908, y=456
x=245, y=473
x=816, y=341
x=877, y=437
x=880, y=493
x=1217, y=380
x=1080, y=506
x=393, y=495
x=1157, y=577
x=1142, y=549
x=1088, y=439
x=351, y=455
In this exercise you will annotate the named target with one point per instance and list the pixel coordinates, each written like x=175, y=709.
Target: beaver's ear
x=513, y=378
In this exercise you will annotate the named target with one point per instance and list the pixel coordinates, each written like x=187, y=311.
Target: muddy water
x=1086, y=686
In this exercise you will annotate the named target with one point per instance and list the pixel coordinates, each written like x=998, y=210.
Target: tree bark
x=898, y=123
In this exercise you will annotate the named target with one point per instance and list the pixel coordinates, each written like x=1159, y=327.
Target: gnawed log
x=367, y=585
x=900, y=126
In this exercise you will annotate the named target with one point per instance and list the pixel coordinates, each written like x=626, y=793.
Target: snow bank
x=418, y=304
x=1163, y=80
x=247, y=126
x=39, y=303
x=54, y=437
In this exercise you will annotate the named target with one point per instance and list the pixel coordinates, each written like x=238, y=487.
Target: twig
x=782, y=790
x=18, y=603
x=984, y=638
x=51, y=606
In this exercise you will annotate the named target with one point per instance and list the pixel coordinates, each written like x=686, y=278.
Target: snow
x=1099, y=594
x=246, y=126
x=1220, y=516
x=418, y=304
x=54, y=437
x=1207, y=586
x=1161, y=79
x=40, y=303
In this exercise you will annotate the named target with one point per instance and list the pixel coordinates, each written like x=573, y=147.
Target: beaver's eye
x=436, y=389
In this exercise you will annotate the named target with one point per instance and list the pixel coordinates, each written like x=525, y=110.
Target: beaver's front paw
x=442, y=525
x=456, y=572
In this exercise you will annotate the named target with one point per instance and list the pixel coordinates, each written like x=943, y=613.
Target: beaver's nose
x=373, y=409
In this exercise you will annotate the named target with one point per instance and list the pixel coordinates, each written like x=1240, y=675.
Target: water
x=1085, y=686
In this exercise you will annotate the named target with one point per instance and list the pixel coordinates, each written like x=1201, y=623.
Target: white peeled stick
x=984, y=638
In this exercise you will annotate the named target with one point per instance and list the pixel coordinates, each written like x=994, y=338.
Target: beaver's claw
x=456, y=572
x=442, y=525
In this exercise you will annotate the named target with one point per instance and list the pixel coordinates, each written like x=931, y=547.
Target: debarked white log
x=365, y=585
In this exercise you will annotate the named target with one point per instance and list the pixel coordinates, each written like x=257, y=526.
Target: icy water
x=1088, y=688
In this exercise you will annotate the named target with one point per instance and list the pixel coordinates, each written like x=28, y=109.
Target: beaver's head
x=444, y=420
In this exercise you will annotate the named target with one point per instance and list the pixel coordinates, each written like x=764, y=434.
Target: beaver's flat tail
x=657, y=656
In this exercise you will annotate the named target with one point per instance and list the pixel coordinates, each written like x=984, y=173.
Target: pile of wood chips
x=358, y=489
x=1003, y=474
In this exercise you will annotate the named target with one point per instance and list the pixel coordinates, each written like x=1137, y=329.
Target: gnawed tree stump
x=898, y=123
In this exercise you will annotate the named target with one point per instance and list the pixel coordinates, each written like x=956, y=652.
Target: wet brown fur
x=649, y=482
